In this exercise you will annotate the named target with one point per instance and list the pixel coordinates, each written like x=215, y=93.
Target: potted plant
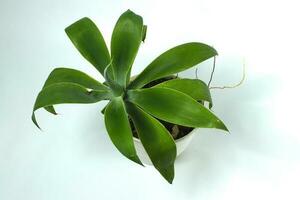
x=156, y=110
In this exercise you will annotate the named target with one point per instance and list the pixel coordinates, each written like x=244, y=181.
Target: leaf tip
x=84, y=21
x=144, y=33
x=35, y=122
x=223, y=127
x=218, y=124
x=168, y=173
x=138, y=161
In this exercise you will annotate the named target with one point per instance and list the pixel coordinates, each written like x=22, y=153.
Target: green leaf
x=87, y=38
x=118, y=128
x=195, y=88
x=173, y=61
x=156, y=140
x=50, y=109
x=61, y=75
x=125, y=42
x=144, y=34
x=103, y=110
x=175, y=107
x=116, y=89
x=67, y=93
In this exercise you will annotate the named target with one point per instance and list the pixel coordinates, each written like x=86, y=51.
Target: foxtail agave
x=177, y=101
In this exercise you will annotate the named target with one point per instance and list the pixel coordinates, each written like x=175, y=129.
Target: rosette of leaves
x=176, y=101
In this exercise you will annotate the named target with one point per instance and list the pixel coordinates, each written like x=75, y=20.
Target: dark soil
x=177, y=131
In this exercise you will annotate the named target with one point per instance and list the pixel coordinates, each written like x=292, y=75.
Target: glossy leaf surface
x=173, y=101
x=87, y=38
x=195, y=88
x=173, y=61
x=156, y=140
x=67, y=75
x=125, y=42
x=175, y=107
x=118, y=128
x=67, y=93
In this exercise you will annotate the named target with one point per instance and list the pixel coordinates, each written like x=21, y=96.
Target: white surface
x=73, y=159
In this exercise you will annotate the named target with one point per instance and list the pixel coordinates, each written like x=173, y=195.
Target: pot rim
x=177, y=140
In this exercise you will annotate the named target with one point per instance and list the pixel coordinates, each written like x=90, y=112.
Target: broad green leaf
x=67, y=93
x=118, y=128
x=175, y=107
x=173, y=61
x=156, y=140
x=195, y=88
x=67, y=75
x=87, y=38
x=125, y=42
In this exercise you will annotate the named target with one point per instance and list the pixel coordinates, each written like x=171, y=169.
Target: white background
x=73, y=159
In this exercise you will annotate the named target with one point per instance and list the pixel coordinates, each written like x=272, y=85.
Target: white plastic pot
x=181, y=145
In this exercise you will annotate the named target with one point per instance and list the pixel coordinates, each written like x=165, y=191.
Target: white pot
x=181, y=145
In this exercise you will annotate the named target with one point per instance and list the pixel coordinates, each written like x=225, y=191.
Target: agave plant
x=178, y=101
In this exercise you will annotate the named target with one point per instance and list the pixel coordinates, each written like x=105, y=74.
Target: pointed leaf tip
x=119, y=130
x=61, y=93
x=159, y=145
x=35, y=122
x=144, y=33
x=168, y=173
x=174, y=107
